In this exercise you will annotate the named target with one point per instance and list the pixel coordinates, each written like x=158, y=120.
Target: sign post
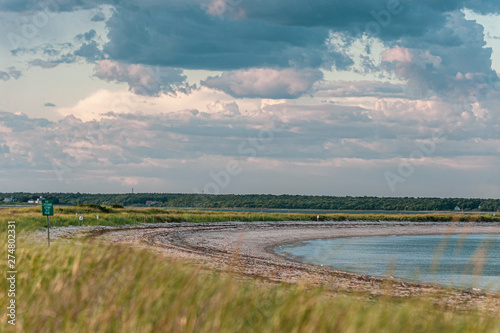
x=48, y=210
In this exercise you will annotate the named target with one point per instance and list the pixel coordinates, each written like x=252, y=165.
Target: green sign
x=47, y=208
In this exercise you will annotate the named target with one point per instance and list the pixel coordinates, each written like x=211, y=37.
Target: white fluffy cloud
x=265, y=82
x=270, y=58
x=376, y=89
x=329, y=146
x=433, y=64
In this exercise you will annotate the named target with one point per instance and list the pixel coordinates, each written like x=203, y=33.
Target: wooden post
x=48, y=231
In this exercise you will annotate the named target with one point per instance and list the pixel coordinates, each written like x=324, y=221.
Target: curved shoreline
x=318, y=250
x=246, y=249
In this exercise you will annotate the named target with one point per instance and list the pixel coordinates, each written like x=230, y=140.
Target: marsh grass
x=31, y=218
x=91, y=287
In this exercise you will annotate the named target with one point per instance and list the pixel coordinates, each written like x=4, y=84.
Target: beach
x=247, y=250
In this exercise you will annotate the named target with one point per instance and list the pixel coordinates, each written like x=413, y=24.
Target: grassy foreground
x=92, y=287
x=31, y=217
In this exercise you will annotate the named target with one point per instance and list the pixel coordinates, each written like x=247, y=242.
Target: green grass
x=31, y=217
x=92, y=287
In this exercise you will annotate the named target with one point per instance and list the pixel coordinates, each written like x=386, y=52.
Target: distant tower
x=132, y=190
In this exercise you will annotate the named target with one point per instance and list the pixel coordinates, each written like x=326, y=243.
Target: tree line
x=263, y=201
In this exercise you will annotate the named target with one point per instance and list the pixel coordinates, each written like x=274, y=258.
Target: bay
x=461, y=261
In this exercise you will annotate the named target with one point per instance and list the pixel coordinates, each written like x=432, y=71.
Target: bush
x=95, y=208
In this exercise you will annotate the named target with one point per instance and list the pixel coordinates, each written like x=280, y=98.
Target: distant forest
x=260, y=201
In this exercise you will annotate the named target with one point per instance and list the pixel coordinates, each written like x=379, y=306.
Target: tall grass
x=31, y=217
x=98, y=288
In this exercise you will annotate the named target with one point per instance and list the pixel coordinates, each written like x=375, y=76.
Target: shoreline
x=274, y=250
x=400, y=232
x=247, y=250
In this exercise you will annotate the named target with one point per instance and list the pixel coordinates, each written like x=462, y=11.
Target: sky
x=345, y=98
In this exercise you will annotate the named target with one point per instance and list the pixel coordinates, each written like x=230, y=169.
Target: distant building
x=150, y=202
x=31, y=201
x=457, y=208
x=11, y=199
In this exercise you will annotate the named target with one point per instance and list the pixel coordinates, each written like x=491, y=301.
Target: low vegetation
x=92, y=287
x=31, y=217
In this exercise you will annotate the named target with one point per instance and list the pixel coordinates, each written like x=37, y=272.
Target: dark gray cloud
x=46, y=49
x=394, y=18
x=430, y=46
x=284, y=34
x=144, y=80
x=52, y=6
x=84, y=47
x=64, y=59
x=239, y=35
x=21, y=122
x=4, y=149
x=89, y=51
x=10, y=73
x=192, y=39
x=345, y=14
x=88, y=36
x=98, y=17
x=453, y=60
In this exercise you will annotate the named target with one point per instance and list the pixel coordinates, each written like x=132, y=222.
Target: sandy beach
x=247, y=249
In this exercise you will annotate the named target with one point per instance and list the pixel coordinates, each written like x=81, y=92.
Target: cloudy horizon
x=376, y=98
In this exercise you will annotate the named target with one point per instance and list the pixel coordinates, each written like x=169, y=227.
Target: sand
x=247, y=250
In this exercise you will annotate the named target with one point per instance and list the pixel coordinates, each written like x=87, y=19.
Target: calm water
x=464, y=261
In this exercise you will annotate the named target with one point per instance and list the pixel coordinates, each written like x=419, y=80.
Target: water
x=462, y=261
x=317, y=211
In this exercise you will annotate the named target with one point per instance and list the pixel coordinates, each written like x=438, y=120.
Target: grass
x=31, y=218
x=92, y=287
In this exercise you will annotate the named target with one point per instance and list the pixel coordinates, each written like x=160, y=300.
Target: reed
x=91, y=287
x=31, y=217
